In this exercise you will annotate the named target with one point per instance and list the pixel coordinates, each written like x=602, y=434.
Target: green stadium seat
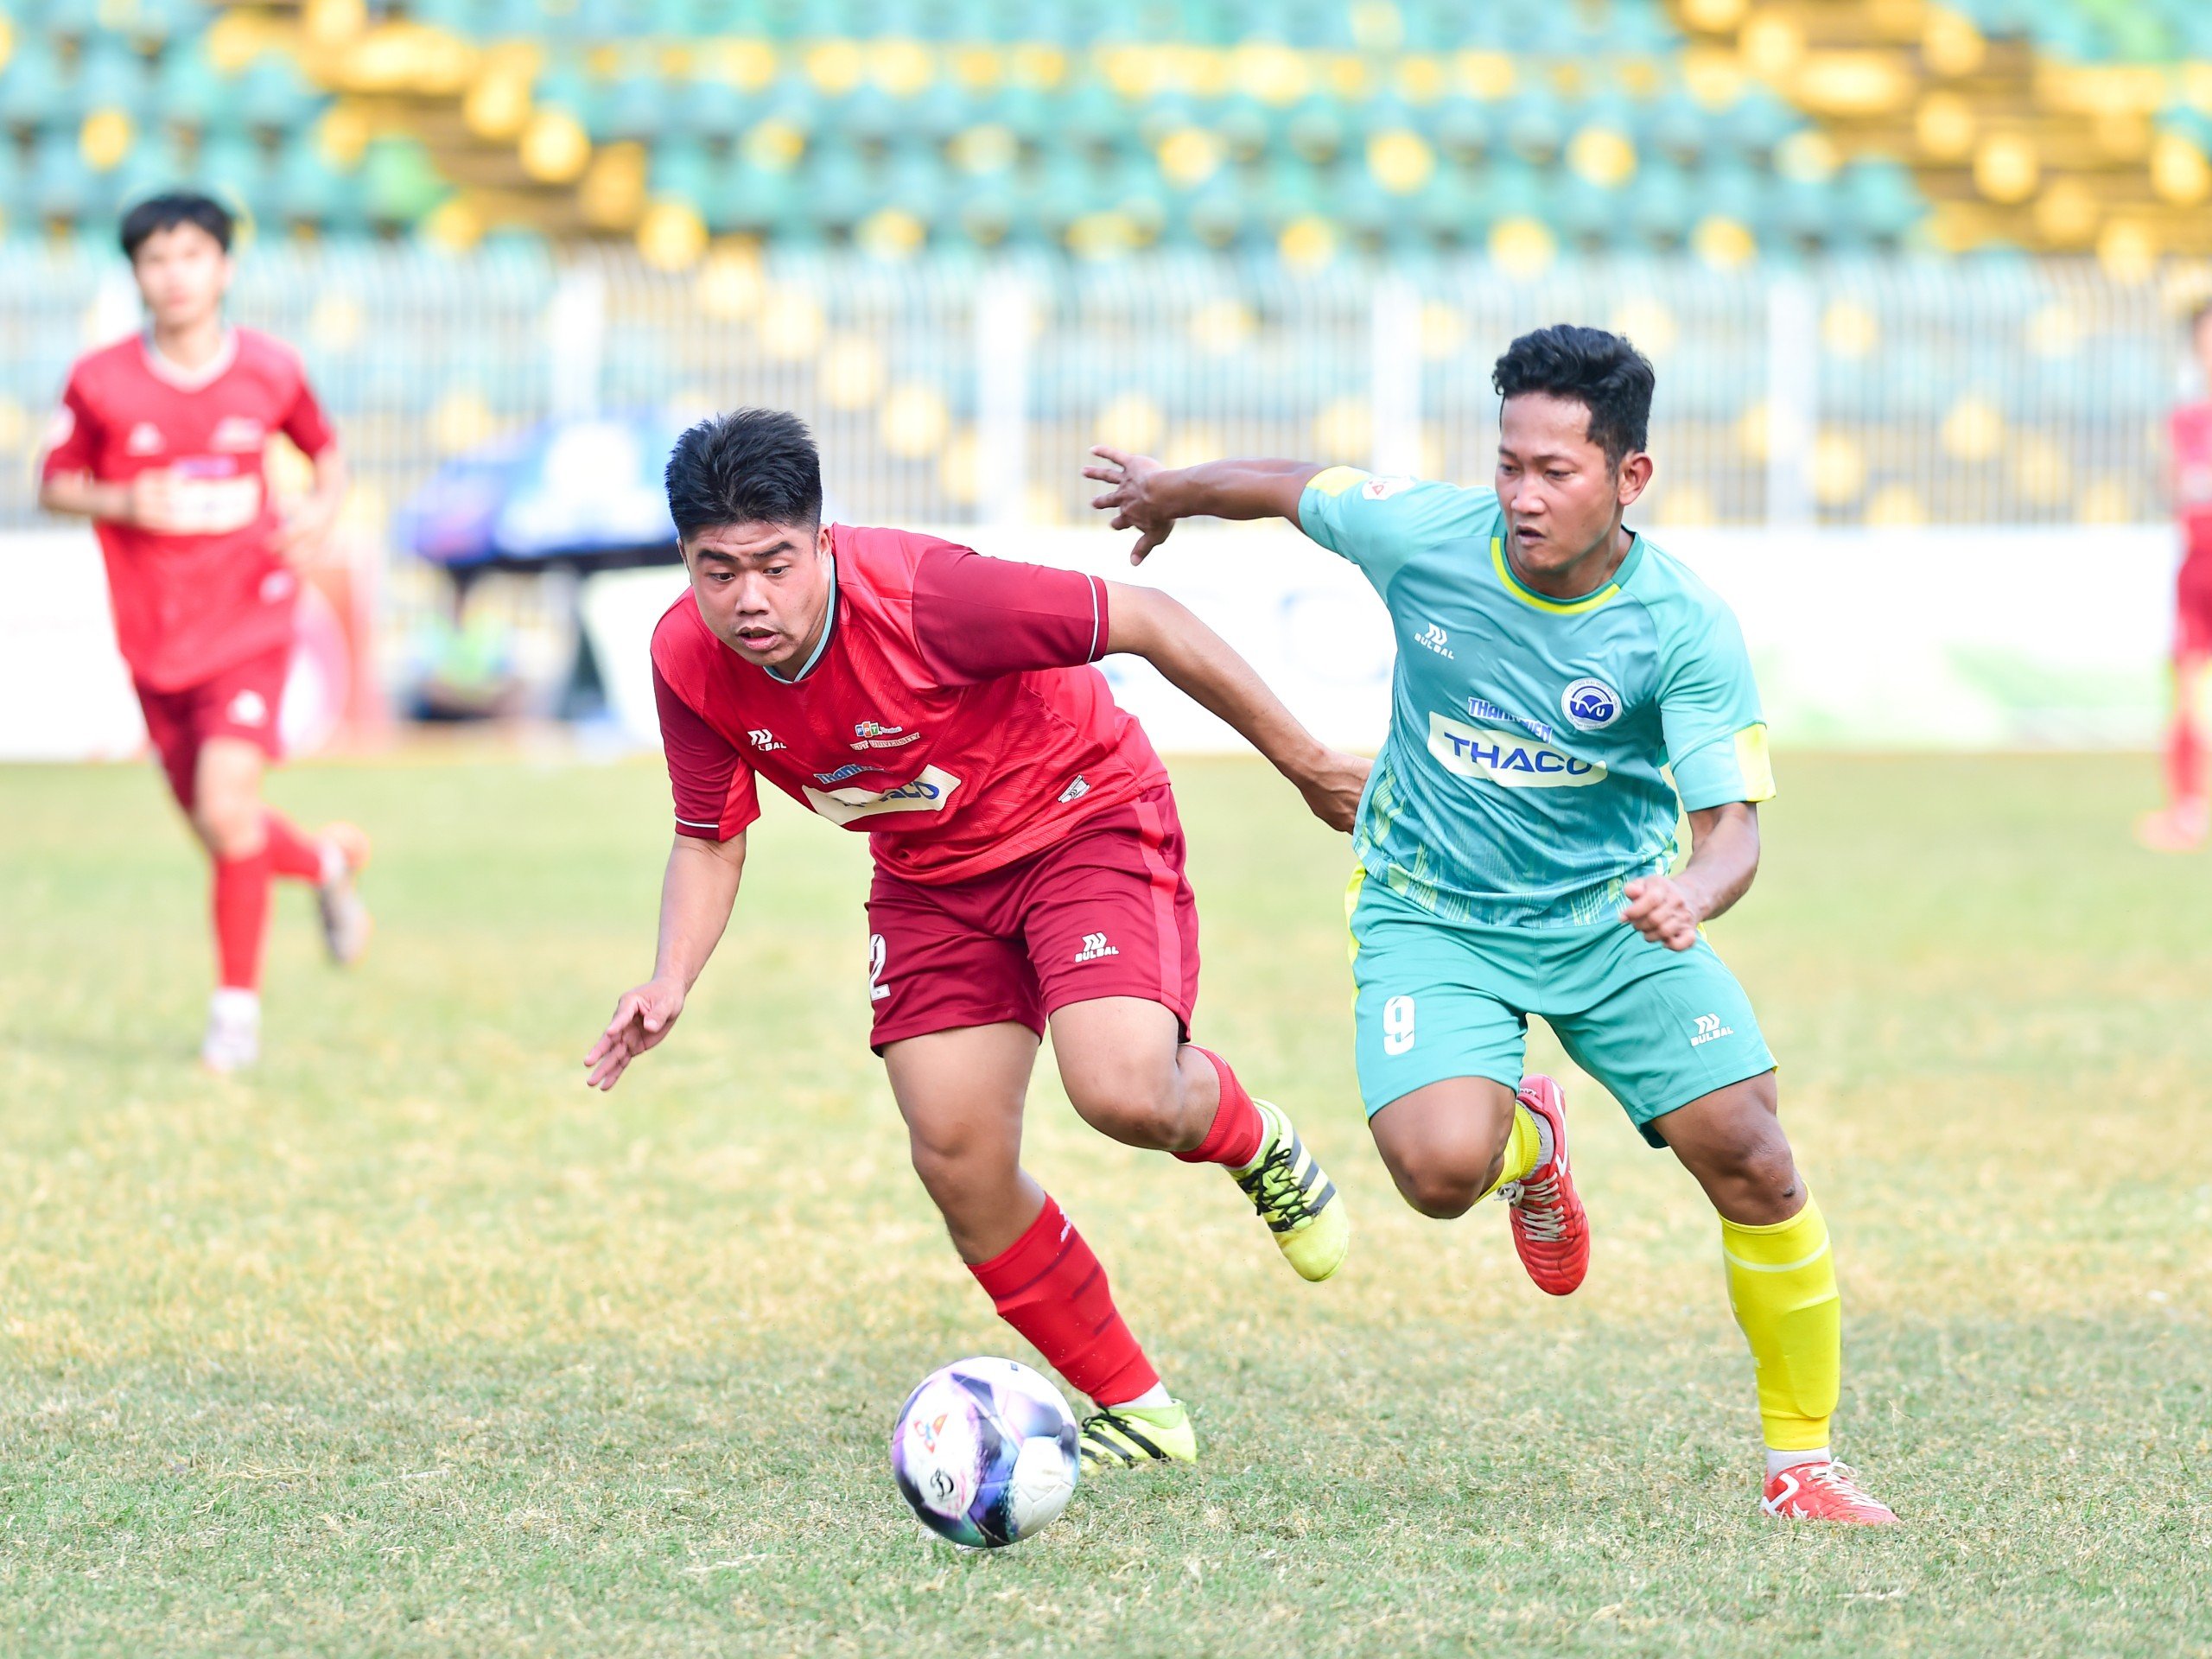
x=708, y=110
x=60, y=185
x=273, y=95
x=1536, y=124
x=111, y=76
x=308, y=189
x=635, y=107
x=753, y=200
x=1662, y=206
x=1462, y=129
x=232, y=166
x=1317, y=128
x=1881, y=200
x=399, y=182
x=187, y=90
x=915, y=183
x=154, y=165
x=34, y=89
x=839, y=189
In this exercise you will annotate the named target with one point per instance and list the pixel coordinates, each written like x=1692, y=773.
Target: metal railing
x=949, y=390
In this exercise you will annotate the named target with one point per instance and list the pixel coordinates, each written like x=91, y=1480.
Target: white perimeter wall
x=1946, y=637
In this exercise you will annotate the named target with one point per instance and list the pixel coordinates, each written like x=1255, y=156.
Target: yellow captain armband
x=1755, y=762
x=1335, y=480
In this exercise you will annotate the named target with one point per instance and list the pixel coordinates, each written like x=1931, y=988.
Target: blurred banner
x=2016, y=637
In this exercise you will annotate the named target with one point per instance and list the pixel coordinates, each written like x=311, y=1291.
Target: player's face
x=763, y=588
x=183, y=275
x=1562, y=497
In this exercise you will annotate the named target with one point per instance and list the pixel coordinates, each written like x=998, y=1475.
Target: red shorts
x=2193, y=605
x=242, y=701
x=1106, y=912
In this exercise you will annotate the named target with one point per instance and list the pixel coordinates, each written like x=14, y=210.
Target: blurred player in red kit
x=160, y=441
x=1028, y=867
x=2182, y=825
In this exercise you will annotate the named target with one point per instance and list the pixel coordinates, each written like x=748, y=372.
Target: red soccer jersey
x=951, y=712
x=188, y=606
x=2192, y=451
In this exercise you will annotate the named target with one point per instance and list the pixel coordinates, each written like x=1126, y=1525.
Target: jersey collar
x=1566, y=607
x=184, y=379
x=829, y=628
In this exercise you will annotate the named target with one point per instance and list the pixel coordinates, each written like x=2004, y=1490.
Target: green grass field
x=409, y=1345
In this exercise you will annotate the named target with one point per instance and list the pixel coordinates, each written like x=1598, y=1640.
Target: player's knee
x=1447, y=1182
x=229, y=828
x=1758, y=1163
x=953, y=1159
x=1139, y=1105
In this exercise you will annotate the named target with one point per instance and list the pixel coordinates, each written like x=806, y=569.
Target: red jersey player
x=160, y=441
x=1028, y=866
x=2183, y=823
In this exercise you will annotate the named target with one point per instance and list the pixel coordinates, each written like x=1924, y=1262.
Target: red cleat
x=1551, y=1230
x=1824, y=1491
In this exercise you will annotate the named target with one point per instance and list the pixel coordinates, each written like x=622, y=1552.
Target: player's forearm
x=696, y=894
x=82, y=494
x=1198, y=663
x=1724, y=858
x=1234, y=489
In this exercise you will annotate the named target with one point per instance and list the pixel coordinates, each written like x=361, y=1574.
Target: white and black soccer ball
x=985, y=1452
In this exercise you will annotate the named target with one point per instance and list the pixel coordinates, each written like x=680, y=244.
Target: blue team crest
x=1590, y=705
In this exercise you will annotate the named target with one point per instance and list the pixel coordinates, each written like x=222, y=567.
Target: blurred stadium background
x=1913, y=275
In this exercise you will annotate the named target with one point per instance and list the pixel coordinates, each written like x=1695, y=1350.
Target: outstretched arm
x=1724, y=857
x=1145, y=622
x=1147, y=498
x=696, y=896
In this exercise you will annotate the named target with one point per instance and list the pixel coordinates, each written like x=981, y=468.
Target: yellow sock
x=1781, y=1285
x=1523, y=1148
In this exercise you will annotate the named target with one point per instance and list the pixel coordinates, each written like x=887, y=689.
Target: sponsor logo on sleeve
x=1507, y=757
x=1590, y=705
x=927, y=793
x=1382, y=489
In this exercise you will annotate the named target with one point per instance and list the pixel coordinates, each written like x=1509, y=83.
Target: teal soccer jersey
x=1525, y=781
x=1525, y=778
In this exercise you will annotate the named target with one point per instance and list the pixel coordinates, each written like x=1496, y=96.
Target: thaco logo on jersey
x=927, y=793
x=1590, y=705
x=1507, y=757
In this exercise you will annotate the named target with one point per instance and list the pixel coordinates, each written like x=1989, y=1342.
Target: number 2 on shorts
x=877, y=991
x=1397, y=1025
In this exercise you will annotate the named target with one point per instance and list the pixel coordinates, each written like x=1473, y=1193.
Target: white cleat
x=233, y=1040
x=346, y=922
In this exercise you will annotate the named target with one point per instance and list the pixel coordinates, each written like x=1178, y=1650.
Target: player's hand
x=1662, y=911
x=1130, y=496
x=641, y=1019
x=1333, y=786
x=306, y=527
x=154, y=500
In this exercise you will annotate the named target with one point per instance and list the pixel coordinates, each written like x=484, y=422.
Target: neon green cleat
x=1296, y=1199
x=1121, y=1437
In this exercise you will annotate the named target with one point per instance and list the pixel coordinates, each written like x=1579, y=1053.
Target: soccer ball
x=985, y=1452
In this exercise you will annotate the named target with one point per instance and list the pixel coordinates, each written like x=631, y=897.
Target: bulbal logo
x=1094, y=947
x=762, y=738
x=1436, y=640
x=1590, y=705
x=1709, y=1029
x=1507, y=757
x=145, y=439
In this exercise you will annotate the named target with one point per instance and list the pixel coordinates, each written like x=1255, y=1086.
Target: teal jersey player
x=1564, y=692
x=1526, y=776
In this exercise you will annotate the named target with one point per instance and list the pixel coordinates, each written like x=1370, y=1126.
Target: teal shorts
x=1440, y=999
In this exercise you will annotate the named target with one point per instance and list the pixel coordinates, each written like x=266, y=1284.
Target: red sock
x=1237, y=1129
x=1049, y=1286
x=241, y=919
x=291, y=854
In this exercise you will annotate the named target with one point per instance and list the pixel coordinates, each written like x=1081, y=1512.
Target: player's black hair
x=166, y=211
x=1603, y=373
x=749, y=466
